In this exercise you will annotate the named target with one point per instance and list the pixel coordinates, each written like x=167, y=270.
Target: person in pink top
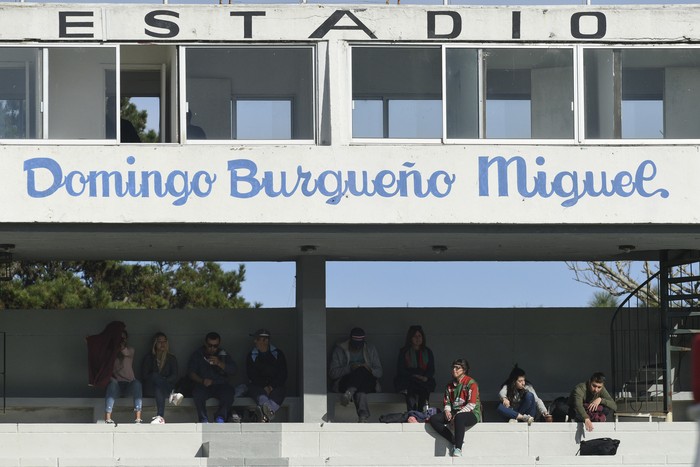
x=123, y=381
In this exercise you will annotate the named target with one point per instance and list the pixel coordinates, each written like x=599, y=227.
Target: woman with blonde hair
x=160, y=375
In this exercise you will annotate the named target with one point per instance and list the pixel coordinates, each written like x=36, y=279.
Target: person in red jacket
x=462, y=406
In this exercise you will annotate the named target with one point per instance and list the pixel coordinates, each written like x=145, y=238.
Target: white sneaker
x=157, y=420
x=175, y=398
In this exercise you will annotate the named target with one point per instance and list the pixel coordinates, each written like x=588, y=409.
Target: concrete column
x=311, y=310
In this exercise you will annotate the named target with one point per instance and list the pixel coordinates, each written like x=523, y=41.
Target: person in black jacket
x=160, y=374
x=267, y=375
x=415, y=370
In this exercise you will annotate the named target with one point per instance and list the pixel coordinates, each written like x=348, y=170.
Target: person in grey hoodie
x=355, y=370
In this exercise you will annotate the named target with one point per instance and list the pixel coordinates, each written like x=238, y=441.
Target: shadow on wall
x=557, y=347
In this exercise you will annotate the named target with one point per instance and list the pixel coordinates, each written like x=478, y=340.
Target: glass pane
x=508, y=119
x=367, y=119
x=642, y=93
x=80, y=85
x=415, y=119
x=642, y=119
x=409, y=77
x=216, y=78
x=261, y=119
x=20, y=93
x=529, y=93
x=462, y=103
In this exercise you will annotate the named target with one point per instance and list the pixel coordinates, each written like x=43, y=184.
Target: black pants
x=462, y=421
x=223, y=392
x=362, y=380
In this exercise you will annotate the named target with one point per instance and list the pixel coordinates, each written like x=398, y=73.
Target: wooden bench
x=184, y=412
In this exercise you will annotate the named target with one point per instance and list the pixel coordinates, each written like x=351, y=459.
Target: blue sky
x=422, y=284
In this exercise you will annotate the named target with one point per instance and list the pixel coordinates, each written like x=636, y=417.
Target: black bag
x=559, y=409
x=599, y=447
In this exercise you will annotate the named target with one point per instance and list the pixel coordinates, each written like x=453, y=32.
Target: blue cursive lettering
x=568, y=185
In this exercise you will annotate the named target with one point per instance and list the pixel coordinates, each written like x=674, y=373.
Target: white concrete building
x=311, y=133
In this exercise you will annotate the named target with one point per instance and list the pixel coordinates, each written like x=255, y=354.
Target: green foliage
x=116, y=284
x=139, y=119
x=603, y=299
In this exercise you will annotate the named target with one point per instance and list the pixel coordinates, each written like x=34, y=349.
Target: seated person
x=159, y=371
x=519, y=401
x=267, y=374
x=354, y=370
x=194, y=131
x=590, y=402
x=415, y=370
x=123, y=381
x=209, y=369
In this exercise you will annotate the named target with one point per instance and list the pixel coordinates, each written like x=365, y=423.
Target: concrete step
x=356, y=461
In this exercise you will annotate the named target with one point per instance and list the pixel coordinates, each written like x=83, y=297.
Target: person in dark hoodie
x=355, y=370
x=266, y=366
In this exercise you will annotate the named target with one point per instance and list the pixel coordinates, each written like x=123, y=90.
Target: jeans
x=224, y=393
x=117, y=388
x=160, y=388
x=526, y=406
x=462, y=421
x=273, y=400
x=364, y=382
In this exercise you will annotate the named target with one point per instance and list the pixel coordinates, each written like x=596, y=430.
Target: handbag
x=599, y=447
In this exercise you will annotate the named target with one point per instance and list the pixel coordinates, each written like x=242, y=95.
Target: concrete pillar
x=311, y=310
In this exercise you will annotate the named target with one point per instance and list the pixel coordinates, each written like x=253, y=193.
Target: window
x=527, y=93
x=642, y=93
x=20, y=93
x=250, y=93
x=79, y=92
x=397, y=92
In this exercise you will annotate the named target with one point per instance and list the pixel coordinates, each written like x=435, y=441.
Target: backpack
x=599, y=447
x=559, y=409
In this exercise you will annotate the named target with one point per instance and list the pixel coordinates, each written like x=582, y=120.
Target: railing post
x=665, y=335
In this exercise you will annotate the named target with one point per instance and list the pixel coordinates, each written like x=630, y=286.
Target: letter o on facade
x=576, y=25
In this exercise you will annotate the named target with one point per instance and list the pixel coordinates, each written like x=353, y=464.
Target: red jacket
x=102, y=351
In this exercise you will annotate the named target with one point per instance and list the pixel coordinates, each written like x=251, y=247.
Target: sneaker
x=137, y=421
x=268, y=413
x=259, y=415
x=528, y=419
x=362, y=419
x=157, y=420
x=513, y=420
x=234, y=418
x=220, y=420
x=110, y=422
x=346, y=398
x=175, y=398
x=456, y=452
x=204, y=420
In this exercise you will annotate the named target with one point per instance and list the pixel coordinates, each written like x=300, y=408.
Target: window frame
x=184, y=104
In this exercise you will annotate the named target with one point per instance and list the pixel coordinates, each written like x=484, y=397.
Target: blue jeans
x=117, y=388
x=160, y=388
x=527, y=406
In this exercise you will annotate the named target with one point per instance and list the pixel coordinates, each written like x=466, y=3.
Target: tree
x=602, y=299
x=619, y=278
x=116, y=284
x=138, y=118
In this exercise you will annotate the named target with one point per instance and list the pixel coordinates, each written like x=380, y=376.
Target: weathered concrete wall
x=46, y=354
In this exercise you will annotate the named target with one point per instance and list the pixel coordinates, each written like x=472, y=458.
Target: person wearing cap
x=462, y=406
x=209, y=369
x=267, y=374
x=355, y=370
